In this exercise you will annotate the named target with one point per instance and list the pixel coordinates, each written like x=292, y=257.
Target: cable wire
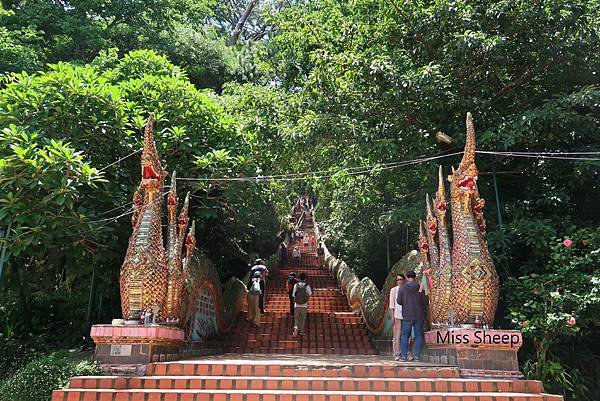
x=388, y=166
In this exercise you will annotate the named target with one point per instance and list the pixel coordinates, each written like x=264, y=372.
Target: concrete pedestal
x=477, y=352
x=134, y=345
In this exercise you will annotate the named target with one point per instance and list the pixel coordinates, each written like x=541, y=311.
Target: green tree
x=93, y=115
x=38, y=32
x=369, y=83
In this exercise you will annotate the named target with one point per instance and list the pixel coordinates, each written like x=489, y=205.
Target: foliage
x=15, y=355
x=51, y=119
x=366, y=83
x=38, y=32
x=559, y=302
x=36, y=380
x=48, y=176
x=340, y=92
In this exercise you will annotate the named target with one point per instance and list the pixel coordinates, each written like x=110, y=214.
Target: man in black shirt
x=413, y=315
x=289, y=285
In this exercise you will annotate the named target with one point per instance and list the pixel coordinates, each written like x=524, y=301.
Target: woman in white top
x=396, y=311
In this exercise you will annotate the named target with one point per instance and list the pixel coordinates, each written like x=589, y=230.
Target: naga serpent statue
x=178, y=282
x=461, y=277
x=464, y=283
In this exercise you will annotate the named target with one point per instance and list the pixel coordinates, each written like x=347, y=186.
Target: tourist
x=413, y=313
x=289, y=285
x=396, y=312
x=297, y=210
x=296, y=256
x=301, y=294
x=283, y=253
x=255, y=289
x=259, y=266
x=321, y=253
x=306, y=241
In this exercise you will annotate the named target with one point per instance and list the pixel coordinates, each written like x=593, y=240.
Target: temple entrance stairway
x=298, y=378
x=331, y=327
x=334, y=361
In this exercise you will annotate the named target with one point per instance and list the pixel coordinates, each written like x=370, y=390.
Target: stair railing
x=363, y=296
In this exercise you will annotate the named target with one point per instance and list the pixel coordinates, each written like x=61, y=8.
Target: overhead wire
x=353, y=171
x=319, y=174
x=120, y=160
x=546, y=155
x=315, y=174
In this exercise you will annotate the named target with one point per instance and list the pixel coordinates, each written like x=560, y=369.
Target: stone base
x=477, y=352
x=133, y=345
x=203, y=348
x=383, y=345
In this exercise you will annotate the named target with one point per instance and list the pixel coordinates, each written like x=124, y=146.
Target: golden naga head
x=465, y=177
x=183, y=219
x=190, y=240
x=439, y=200
x=152, y=171
x=172, y=198
x=431, y=220
x=423, y=245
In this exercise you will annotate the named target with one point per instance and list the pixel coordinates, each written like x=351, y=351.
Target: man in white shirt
x=301, y=294
x=396, y=311
x=296, y=256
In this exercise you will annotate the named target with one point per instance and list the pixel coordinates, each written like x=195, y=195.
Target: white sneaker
x=295, y=334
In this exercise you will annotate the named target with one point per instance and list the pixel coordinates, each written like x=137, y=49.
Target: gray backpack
x=255, y=287
x=301, y=296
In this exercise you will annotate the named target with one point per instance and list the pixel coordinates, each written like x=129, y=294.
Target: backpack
x=291, y=282
x=255, y=287
x=301, y=296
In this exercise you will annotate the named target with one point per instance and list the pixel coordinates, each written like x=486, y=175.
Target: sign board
x=120, y=350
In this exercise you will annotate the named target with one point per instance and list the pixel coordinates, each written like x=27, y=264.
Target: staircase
x=300, y=378
x=334, y=361
x=331, y=327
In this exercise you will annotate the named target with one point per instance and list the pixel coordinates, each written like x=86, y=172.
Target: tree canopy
x=342, y=100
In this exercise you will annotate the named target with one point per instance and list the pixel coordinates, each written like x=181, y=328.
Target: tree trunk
x=24, y=305
x=239, y=27
x=387, y=249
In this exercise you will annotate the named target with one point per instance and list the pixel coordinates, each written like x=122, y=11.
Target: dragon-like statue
x=464, y=282
x=178, y=282
x=461, y=277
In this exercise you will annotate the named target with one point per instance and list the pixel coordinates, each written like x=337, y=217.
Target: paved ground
x=309, y=360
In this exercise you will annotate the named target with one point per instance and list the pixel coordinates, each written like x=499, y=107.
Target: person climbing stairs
x=331, y=326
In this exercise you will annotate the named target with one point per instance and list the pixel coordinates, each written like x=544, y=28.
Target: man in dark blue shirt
x=413, y=314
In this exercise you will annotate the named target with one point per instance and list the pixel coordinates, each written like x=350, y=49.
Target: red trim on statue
x=149, y=173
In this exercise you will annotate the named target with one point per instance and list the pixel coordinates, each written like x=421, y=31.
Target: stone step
x=300, y=343
x=298, y=350
x=302, y=367
x=309, y=335
x=286, y=395
x=348, y=335
x=317, y=383
x=317, y=301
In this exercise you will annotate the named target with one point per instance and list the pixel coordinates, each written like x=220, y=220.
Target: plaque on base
x=129, y=345
x=484, y=353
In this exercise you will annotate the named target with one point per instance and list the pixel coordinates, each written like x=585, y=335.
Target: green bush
x=557, y=310
x=14, y=356
x=36, y=380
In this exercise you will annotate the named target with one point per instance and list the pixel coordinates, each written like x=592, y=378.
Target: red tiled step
x=295, y=369
x=305, y=383
x=291, y=348
x=288, y=395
